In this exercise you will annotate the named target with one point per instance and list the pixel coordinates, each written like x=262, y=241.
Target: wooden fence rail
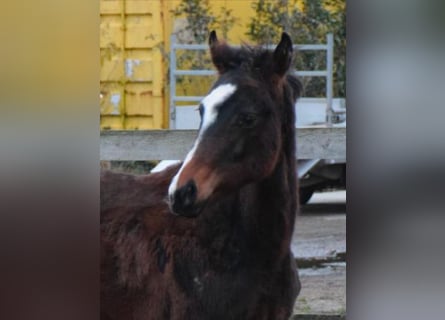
x=312, y=143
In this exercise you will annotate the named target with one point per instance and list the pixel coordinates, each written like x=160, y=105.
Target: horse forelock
x=256, y=63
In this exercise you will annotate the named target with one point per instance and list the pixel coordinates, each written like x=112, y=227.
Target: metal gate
x=184, y=117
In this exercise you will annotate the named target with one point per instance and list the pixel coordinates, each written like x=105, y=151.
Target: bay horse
x=210, y=238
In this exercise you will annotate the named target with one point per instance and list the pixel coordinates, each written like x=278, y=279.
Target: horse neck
x=275, y=198
x=283, y=178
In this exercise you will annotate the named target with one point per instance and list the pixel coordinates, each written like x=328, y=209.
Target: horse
x=209, y=238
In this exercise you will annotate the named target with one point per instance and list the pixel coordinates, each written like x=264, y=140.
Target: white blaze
x=210, y=103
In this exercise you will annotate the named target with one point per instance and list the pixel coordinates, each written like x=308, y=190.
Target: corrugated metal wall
x=131, y=68
x=134, y=34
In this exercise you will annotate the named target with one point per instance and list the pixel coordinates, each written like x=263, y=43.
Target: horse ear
x=213, y=39
x=221, y=53
x=282, y=55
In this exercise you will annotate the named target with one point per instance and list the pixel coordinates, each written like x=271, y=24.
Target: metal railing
x=174, y=72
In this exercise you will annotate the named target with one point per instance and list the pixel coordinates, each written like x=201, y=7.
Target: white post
x=172, y=110
x=329, y=77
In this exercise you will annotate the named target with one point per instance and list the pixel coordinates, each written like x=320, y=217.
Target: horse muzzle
x=183, y=201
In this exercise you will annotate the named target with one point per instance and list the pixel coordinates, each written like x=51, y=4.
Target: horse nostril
x=191, y=189
x=189, y=193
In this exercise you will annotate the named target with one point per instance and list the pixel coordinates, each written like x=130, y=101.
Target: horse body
x=226, y=253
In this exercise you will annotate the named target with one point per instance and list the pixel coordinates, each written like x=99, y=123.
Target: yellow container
x=132, y=76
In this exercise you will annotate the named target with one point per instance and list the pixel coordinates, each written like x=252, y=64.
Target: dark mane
x=295, y=88
x=248, y=58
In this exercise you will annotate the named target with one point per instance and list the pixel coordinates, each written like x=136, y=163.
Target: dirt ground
x=319, y=245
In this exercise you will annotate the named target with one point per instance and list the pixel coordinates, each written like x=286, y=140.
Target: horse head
x=240, y=136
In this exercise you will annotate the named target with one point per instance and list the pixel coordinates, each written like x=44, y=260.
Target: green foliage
x=198, y=16
x=199, y=22
x=307, y=22
x=225, y=21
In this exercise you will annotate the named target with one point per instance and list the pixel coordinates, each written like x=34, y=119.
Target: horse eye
x=246, y=120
